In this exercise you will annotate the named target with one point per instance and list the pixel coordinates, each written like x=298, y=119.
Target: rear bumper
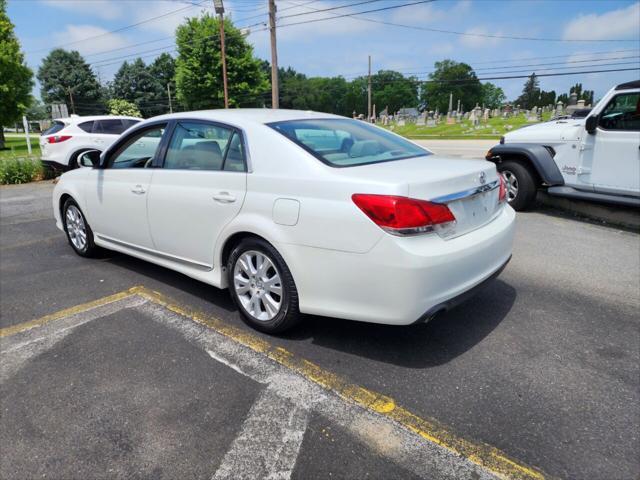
x=461, y=298
x=400, y=279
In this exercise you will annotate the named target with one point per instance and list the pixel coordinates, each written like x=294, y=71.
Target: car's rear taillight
x=502, y=193
x=58, y=138
x=402, y=215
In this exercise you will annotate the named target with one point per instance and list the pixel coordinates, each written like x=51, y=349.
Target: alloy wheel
x=76, y=228
x=511, y=183
x=258, y=285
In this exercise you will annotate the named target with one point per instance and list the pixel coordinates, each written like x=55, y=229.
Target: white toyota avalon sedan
x=294, y=212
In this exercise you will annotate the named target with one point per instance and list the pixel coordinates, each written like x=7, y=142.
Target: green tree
x=530, y=96
x=135, y=83
x=492, y=95
x=16, y=79
x=65, y=77
x=163, y=71
x=118, y=106
x=38, y=111
x=393, y=90
x=199, y=67
x=455, y=78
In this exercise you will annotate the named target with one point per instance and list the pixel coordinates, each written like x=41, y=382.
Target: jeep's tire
x=78, y=231
x=520, y=182
x=262, y=286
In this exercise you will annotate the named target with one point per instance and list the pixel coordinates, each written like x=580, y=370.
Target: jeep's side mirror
x=591, y=124
x=90, y=158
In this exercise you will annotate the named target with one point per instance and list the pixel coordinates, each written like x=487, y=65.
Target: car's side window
x=139, y=150
x=197, y=146
x=86, y=126
x=235, y=159
x=622, y=113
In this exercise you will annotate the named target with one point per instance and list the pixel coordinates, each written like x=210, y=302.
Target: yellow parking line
x=38, y=322
x=483, y=455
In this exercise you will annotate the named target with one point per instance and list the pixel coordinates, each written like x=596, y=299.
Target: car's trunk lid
x=470, y=188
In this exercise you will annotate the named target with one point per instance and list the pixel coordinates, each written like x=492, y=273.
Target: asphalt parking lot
x=131, y=370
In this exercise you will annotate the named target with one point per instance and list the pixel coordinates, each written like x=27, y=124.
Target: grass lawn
x=493, y=129
x=17, y=147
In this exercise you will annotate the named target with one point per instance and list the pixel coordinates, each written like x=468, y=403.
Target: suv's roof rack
x=629, y=85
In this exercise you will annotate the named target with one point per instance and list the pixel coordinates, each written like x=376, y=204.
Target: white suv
x=67, y=138
x=594, y=158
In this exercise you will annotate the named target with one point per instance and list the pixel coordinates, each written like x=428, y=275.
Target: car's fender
x=536, y=156
x=71, y=183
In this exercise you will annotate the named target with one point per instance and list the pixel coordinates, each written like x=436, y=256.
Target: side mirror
x=90, y=158
x=591, y=124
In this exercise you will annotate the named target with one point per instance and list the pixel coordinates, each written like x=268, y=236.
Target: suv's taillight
x=403, y=215
x=502, y=193
x=58, y=138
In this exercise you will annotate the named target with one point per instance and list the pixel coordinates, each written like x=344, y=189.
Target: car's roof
x=629, y=85
x=252, y=115
x=79, y=119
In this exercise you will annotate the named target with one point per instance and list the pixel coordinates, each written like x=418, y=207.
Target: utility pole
x=369, y=93
x=169, y=93
x=73, y=107
x=219, y=7
x=275, y=90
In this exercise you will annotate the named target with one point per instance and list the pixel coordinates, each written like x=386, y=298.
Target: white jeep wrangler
x=593, y=158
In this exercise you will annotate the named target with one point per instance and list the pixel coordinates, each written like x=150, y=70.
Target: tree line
x=193, y=80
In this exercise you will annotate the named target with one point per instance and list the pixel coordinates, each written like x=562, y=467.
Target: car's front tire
x=78, y=231
x=520, y=183
x=262, y=286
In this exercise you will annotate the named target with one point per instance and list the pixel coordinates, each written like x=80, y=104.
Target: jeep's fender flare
x=537, y=156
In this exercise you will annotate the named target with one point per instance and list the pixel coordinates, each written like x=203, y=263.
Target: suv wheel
x=262, y=286
x=520, y=182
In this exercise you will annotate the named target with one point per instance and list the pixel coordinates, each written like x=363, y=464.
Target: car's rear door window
x=109, y=127
x=346, y=143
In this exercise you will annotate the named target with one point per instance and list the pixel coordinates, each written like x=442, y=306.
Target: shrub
x=20, y=170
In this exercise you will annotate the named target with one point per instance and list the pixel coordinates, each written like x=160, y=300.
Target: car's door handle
x=224, y=197
x=138, y=190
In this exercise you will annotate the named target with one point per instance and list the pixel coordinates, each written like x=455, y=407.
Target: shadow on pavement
x=416, y=346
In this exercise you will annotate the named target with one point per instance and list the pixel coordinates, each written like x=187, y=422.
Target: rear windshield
x=347, y=143
x=55, y=127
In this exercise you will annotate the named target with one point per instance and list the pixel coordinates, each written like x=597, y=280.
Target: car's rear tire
x=520, y=182
x=262, y=286
x=78, y=231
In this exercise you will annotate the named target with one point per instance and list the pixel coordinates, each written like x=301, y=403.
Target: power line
x=453, y=32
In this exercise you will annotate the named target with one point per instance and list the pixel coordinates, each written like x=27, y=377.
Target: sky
x=551, y=35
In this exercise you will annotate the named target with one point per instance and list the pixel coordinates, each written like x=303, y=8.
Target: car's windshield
x=347, y=143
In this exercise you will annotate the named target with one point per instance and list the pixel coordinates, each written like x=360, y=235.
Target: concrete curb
x=613, y=215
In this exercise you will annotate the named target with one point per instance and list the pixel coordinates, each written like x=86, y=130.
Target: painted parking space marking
x=269, y=442
x=421, y=445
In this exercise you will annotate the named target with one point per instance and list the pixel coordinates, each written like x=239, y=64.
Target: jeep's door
x=611, y=157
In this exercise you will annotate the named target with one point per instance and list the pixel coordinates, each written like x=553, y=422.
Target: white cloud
x=621, y=23
x=474, y=39
x=103, y=9
x=74, y=36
